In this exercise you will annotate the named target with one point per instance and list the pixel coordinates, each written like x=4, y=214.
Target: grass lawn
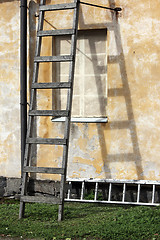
x=81, y=221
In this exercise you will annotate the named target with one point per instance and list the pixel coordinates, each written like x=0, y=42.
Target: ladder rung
x=96, y=191
x=63, y=58
x=50, y=141
x=58, y=32
x=43, y=170
x=69, y=190
x=82, y=190
x=124, y=192
x=138, y=193
x=64, y=6
x=60, y=113
x=110, y=192
x=153, y=193
x=38, y=199
x=54, y=85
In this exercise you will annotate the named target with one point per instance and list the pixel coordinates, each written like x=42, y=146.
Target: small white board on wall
x=82, y=120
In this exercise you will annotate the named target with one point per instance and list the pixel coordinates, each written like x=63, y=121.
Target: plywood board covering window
x=90, y=84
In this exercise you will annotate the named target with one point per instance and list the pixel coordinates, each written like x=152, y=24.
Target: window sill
x=82, y=120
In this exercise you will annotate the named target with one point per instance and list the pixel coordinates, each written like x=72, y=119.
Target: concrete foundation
x=10, y=187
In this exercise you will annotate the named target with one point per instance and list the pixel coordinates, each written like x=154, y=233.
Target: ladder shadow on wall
x=131, y=158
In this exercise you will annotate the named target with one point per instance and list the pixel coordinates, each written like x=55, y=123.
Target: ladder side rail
x=112, y=202
x=69, y=106
x=118, y=181
x=35, y=76
x=30, y=120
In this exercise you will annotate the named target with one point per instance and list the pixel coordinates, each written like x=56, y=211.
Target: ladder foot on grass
x=21, y=210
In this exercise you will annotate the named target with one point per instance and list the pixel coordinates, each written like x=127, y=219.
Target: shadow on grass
x=92, y=210
x=45, y=212
x=41, y=211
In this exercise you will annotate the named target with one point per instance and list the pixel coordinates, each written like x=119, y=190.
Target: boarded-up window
x=90, y=85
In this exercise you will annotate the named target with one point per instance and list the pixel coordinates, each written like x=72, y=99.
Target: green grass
x=81, y=221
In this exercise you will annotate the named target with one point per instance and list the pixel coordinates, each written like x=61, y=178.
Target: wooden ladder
x=33, y=112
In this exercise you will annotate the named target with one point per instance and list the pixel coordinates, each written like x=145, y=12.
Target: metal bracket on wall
x=117, y=9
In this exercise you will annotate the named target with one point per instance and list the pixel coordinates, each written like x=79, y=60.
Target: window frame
x=101, y=119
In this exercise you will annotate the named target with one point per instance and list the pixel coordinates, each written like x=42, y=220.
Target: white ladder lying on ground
x=131, y=192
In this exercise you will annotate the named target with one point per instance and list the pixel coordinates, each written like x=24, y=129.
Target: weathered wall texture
x=127, y=147
x=9, y=89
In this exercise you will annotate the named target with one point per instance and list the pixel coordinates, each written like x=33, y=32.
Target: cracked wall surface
x=127, y=147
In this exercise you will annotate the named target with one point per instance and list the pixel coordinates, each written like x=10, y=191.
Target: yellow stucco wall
x=127, y=147
x=9, y=89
